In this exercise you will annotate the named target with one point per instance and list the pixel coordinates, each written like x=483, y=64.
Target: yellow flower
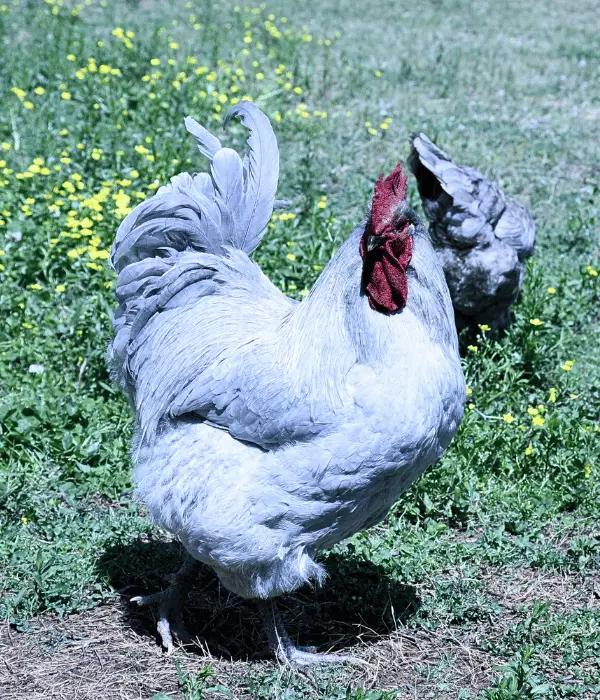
x=538, y=421
x=65, y=95
x=532, y=411
x=173, y=45
x=35, y=287
x=529, y=450
x=469, y=390
x=472, y=348
x=298, y=90
x=508, y=418
x=568, y=365
x=18, y=92
x=535, y=322
x=591, y=271
x=322, y=204
x=70, y=57
x=24, y=520
x=28, y=104
x=39, y=90
x=551, y=290
x=60, y=288
x=484, y=327
x=587, y=471
x=5, y=146
x=291, y=257
x=552, y=396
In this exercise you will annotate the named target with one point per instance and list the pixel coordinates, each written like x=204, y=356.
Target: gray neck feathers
x=340, y=311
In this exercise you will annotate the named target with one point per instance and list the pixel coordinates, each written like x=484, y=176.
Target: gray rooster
x=266, y=429
x=482, y=237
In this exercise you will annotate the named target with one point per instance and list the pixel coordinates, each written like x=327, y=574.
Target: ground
x=484, y=581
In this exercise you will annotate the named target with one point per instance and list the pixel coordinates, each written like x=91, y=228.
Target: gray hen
x=482, y=238
x=265, y=428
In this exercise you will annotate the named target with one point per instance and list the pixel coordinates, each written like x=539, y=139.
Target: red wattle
x=384, y=270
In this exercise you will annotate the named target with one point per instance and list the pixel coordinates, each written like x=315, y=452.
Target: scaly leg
x=170, y=604
x=286, y=652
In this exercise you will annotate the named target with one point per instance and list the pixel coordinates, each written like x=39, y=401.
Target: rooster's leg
x=286, y=652
x=170, y=604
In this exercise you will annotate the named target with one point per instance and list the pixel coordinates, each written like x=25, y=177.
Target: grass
x=484, y=580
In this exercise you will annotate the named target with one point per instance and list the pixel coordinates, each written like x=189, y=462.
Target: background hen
x=266, y=429
x=482, y=237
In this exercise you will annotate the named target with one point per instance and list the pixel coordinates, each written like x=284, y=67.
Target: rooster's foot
x=285, y=651
x=170, y=605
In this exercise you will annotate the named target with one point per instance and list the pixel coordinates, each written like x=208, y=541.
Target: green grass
x=509, y=88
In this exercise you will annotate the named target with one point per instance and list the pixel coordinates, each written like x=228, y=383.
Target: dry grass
x=112, y=652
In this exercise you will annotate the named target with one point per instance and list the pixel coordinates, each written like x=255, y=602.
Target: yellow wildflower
x=508, y=418
x=535, y=322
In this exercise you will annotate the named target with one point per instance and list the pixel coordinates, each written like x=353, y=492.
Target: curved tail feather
x=160, y=250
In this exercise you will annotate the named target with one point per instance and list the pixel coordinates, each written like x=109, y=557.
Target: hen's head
x=386, y=245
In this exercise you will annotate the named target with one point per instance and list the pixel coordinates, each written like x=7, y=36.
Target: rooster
x=482, y=237
x=266, y=429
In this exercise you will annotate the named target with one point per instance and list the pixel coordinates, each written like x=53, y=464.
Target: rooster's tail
x=155, y=253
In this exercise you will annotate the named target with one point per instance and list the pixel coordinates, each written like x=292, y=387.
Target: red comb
x=389, y=195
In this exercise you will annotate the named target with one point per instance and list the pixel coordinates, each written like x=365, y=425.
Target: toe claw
x=164, y=631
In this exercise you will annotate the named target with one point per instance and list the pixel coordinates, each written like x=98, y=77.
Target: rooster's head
x=386, y=245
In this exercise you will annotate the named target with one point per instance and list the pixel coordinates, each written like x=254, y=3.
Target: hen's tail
x=155, y=253
x=462, y=206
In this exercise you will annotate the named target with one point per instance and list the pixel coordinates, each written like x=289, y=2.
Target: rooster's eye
x=374, y=241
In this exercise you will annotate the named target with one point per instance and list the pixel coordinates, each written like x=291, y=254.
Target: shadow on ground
x=359, y=602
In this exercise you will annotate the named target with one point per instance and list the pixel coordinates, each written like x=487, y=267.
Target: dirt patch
x=112, y=651
x=97, y=654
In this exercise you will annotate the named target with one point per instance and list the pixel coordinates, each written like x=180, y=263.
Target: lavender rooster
x=482, y=237
x=266, y=429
